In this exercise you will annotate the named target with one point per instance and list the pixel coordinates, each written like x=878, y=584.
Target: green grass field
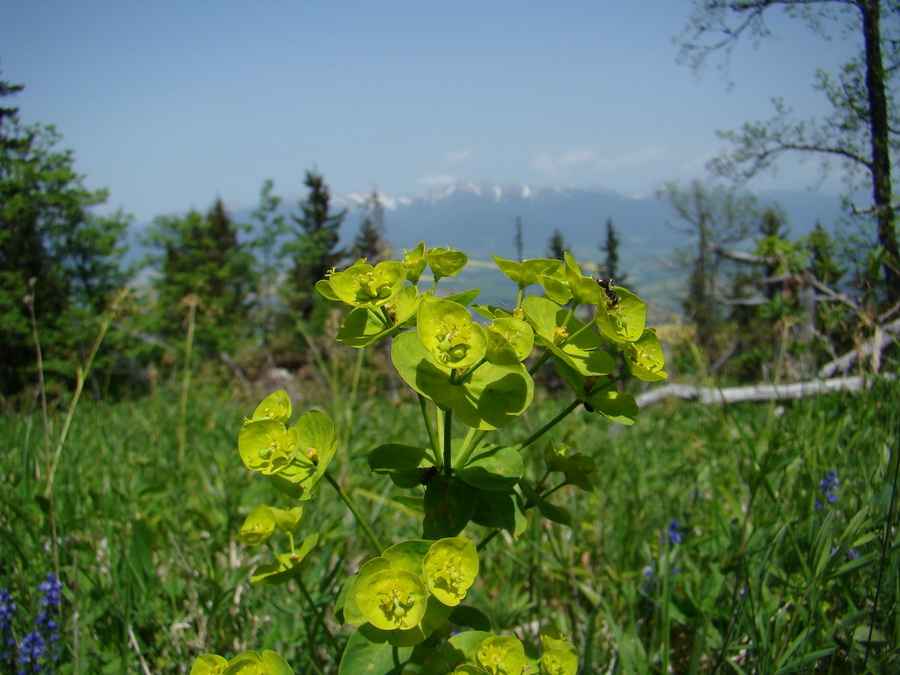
x=709, y=543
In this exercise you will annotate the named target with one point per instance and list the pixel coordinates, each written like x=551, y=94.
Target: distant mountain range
x=480, y=219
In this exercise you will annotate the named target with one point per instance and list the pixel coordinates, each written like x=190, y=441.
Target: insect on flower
x=612, y=299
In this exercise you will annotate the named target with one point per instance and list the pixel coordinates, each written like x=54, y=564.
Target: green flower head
x=449, y=568
x=445, y=262
x=448, y=332
x=392, y=599
x=362, y=285
x=258, y=526
x=266, y=446
x=645, y=357
x=414, y=262
x=501, y=655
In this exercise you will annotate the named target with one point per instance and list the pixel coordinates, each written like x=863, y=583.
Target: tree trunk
x=881, y=156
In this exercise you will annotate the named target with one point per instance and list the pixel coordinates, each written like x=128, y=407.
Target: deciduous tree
x=861, y=129
x=53, y=250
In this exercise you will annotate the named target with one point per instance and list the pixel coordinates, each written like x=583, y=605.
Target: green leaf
x=406, y=465
x=556, y=514
x=275, y=406
x=408, y=555
x=585, y=290
x=580, y=469
x=458, y=650
x=600, y=395
x=363, y=326
x=488, y=398
x=286, y=565
x=501, y=510
x=527, y=272
x=449, y=504
x=371, y=658
x=208, y=664
x=470, y=617
x=563, y=336
x=495, y=468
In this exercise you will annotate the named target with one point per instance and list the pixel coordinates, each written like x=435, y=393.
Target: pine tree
x=369, y=242
x=203, y=261
x=520, y=255
x=556, y=246
x=315, y=250
x=610, y=249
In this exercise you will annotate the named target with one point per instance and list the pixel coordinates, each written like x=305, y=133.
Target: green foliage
x=201, y=263
x=149, y=545
x=461, y=369
x=57, y=259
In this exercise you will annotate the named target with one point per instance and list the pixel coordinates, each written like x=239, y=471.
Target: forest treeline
x=757, y=302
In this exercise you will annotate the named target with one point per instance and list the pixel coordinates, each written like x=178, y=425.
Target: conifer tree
x=610, y=248
x=315, y=250
x=556, y=246
x=202, y=261
x=369, y=243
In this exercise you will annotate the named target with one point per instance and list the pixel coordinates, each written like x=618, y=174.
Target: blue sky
x=171, y=103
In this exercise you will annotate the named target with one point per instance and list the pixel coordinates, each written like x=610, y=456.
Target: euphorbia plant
x=466, y=363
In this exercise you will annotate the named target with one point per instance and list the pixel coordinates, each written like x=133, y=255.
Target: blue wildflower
x=32, y=651
x=674, y=533
x=51, y=591
x=830, y=485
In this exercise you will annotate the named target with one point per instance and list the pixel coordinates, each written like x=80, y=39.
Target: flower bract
x=449, y=569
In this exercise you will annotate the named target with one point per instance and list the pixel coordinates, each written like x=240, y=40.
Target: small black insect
x=611, y=298
x=428, y=474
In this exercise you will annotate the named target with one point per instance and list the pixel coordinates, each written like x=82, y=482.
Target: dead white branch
x=756, y=392
x=884, y=336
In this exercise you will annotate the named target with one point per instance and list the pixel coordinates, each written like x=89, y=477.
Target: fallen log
x=755, y=392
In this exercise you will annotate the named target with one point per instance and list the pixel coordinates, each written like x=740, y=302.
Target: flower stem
x=448, y=459
x=552, y=423
x=318, y=614
x=432, y=435
x=367, y=530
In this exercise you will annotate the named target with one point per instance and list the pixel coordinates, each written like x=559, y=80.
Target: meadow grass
x=708, y=545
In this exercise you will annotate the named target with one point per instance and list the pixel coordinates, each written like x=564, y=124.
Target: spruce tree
x=556, y=246
x=315, y=250
x=369, y=243
x=610, y=248
x=203, y=261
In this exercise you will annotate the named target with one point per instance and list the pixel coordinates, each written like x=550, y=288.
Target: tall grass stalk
x=192, y=301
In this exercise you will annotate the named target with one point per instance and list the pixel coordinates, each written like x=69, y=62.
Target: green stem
x=541, y=361
x=432, y=435
x=448, y=459
x=473, y=438
x=367, y=530
x=552, y=423
x=317, y=614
